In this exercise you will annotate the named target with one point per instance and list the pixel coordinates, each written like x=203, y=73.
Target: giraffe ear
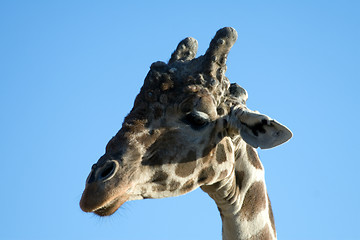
x=259, y=130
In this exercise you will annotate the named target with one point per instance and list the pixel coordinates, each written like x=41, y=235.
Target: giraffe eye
x=196, y=119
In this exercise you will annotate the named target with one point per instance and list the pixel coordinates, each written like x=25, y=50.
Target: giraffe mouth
x=110, y=207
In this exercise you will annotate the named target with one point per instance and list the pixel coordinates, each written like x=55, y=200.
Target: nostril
x=107, y=171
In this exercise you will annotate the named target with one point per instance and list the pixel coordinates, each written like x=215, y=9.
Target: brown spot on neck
x=159, y=178
x=229, y=145
x=254, y=201
x=220, y=153
x=253, y=157
x=206, y=175
x=174, y=186
x=187, y=186
x=239, y=178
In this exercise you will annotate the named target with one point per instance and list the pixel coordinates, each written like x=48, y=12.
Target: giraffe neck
x=242, y=199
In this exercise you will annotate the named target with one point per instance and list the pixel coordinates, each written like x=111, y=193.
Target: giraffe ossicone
x=189, y=128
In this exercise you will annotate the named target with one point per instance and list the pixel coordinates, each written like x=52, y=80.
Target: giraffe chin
x=110, y=207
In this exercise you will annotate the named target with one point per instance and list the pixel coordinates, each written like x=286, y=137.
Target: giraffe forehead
x=162, y=111
x=180, y=85
x=170, y=83
x=202, y=102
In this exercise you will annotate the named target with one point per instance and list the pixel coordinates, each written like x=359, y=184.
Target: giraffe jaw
x=101, y=201
x=110, y=207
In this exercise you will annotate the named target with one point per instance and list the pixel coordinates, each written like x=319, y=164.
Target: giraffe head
x=179, y=134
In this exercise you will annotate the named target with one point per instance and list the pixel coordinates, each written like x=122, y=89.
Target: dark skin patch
x=212, y=143
x=271, y=215
x=174, y=186
x=258, y=128
x=228, y=145
x=187, y=186
x=239, y=178
x=159, y=177
x=154, y=160
x=220, y=153
x=254, y=202
x=225, y=123
x=187, y=166
x=206, y=175
x=252, y=157
x=220, y=135
x=159, y=188
x=207, y=150
x=158, y=151
x=264, y=234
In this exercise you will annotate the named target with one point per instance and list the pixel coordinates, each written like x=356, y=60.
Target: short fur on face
x=180, y=133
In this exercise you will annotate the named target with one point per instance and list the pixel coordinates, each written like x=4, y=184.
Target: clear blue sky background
x=70, y=70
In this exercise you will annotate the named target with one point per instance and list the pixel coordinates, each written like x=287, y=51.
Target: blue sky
x=70, y=71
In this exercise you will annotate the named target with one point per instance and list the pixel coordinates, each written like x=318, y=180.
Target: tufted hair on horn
x=185, y=51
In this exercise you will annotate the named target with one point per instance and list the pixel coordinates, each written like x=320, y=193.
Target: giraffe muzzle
x=97, y=196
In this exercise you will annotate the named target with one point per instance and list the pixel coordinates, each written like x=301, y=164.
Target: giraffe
x=189, y=128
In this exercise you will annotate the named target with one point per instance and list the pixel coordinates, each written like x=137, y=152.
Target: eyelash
x=195, y=120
